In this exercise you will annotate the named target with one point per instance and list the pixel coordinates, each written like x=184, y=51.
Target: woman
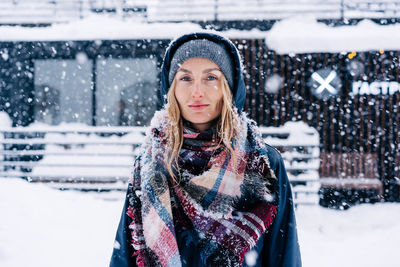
x=206, y=190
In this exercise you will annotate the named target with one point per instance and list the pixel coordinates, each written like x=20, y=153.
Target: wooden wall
x=347, y=123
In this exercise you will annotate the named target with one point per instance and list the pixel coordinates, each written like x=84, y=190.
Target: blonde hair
x=226, y=127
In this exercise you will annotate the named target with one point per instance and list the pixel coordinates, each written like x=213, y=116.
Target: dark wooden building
x=358, y=124
x=352, y=99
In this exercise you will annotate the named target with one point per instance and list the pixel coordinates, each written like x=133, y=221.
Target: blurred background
x=78, y=86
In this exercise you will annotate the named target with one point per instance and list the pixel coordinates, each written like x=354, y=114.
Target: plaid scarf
x=226, y=200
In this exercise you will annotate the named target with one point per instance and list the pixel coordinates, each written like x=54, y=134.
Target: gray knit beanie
x=205, y=49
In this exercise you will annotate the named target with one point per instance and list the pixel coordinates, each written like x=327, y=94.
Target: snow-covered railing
x=299, y=146
x=41, y=11
x=228, y=10
x=55, y=11
x=83, y=157
x=88, y=157
x=371, y=9
x=46, y=12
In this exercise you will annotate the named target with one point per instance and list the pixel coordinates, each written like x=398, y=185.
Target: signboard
x=325, y=83
x=375, y=88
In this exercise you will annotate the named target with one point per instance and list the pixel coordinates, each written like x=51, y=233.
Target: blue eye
x=211, y=78
x=185, y=79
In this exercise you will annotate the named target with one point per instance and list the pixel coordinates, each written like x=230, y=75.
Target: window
x=126, y=91
x=63, y=91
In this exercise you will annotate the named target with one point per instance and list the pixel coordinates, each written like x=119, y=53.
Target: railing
x=86, y=157
x=56, y=11
x=101, y=158
x=46, y=12
x=41, y=12
x=228, y=10
x=299, y=147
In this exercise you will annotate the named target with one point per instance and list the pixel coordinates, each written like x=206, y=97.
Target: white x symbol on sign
x=325, y=83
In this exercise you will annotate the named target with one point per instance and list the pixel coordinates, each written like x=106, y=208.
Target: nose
x=197, y=91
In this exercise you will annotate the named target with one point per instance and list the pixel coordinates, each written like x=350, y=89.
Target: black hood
x=238, y=90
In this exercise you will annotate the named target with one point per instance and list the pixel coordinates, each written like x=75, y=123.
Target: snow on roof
x=303, y=35
x=97, y=27
x=296, y=35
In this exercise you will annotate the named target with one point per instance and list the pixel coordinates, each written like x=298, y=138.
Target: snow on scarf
x=228, y=205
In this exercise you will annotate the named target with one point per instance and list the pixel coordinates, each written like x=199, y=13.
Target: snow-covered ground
x=45, y=227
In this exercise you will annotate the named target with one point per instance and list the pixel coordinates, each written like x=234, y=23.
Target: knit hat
x=234, y=77
x=203, y=48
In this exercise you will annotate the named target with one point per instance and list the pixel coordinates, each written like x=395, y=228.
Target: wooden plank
x=278, y=97
x=318, y=105
x=261, y=82
x=253, y=88
x=281, y=92
x=268, y=98
x=302, y=84
x=397, y=120
x=245, y=52
x=295, y=91
x=287, y=90
x=350, y=170
x=390, y=108
x=347, y=106
x=397, y=169
x=339, y=111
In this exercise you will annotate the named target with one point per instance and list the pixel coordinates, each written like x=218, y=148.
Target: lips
x=198, y=106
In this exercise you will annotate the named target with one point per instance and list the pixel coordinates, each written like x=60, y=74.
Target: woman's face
x=198, y=91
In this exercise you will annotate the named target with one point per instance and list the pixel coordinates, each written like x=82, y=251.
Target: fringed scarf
x=226, y=199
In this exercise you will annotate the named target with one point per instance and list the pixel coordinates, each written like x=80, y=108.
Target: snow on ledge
x=5, y=121
x=305, y=35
